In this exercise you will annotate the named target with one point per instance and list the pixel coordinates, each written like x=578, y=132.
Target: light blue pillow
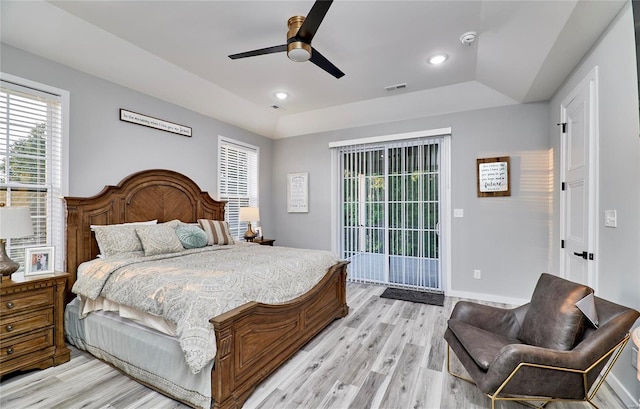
x=191, y=236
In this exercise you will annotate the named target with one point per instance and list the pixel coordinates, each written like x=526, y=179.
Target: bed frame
x=252, y=340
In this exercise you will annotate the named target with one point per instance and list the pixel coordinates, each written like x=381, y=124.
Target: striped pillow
x=217, y=231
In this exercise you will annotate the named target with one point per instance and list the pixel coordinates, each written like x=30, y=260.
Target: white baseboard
x=623, y=393
x=487, y=297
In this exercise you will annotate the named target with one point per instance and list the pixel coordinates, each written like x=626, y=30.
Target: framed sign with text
x=298, y=192
x=494, y=176
x=155, y=123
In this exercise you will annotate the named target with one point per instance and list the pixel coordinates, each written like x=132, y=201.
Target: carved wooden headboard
x=151, y=194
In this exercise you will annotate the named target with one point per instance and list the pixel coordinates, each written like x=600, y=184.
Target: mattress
x=143, y=353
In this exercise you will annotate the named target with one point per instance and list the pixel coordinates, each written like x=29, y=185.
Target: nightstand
x=32, y=323
x=264, y=242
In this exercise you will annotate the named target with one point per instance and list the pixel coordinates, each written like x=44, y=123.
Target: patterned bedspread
x=193, y=286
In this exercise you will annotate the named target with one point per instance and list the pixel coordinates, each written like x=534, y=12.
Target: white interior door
x=578, y=216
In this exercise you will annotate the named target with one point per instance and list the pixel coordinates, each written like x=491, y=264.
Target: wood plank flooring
x=385, y=354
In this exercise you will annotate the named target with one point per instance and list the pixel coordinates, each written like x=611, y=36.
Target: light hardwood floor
x=385, y=354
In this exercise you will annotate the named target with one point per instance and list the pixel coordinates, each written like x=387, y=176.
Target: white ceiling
x=178, y=51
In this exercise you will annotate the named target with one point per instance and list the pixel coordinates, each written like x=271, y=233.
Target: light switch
x=458, y=212
x=610, y=218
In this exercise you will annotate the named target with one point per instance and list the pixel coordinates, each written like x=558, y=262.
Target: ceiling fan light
x=299, y=51
x=438, y=59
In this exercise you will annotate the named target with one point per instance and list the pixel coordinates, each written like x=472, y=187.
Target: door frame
x=445, y=192
x=591, y=81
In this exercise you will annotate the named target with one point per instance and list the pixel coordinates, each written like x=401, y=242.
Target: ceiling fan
x=298, y=46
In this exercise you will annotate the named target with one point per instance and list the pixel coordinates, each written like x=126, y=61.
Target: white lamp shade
x=636, y=340
x=249, y=214
x=15, y=222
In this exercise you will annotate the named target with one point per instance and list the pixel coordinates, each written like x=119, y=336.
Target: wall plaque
x=494, y=176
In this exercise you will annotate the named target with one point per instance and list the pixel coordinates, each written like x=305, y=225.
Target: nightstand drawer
x=14, y=325
x=14, y=303
x=19, y=346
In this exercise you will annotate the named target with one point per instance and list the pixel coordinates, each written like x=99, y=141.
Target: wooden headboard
x=151, y=194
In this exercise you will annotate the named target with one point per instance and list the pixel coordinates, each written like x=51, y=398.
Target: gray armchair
x=546, y=350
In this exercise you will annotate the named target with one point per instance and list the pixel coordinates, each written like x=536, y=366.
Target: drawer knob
x=9, y=351
x=9, y=328
x=10, y=305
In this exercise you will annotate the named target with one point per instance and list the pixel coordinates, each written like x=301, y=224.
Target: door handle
x=583, y=254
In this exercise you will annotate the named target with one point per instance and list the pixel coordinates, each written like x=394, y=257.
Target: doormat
x=423, y=297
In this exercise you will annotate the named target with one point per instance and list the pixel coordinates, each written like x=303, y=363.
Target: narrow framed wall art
x=298, y=192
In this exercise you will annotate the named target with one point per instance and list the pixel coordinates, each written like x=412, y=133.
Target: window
x=31, y=152
x=238, y=180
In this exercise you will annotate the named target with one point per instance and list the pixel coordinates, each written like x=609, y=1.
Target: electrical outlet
x=634, y=357
x=477, y=274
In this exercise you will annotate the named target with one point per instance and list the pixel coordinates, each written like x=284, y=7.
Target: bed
x=251, y=340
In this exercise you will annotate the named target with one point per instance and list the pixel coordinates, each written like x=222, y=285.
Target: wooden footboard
x=253, y=340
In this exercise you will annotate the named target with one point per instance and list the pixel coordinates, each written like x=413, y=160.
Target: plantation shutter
x=238, y=180
x=31, y=165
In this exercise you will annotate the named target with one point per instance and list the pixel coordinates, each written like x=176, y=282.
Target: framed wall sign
x=155, y=123
x=298, y=192
x=494, y=176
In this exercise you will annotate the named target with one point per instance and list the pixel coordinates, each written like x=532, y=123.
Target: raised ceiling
x=178, y=51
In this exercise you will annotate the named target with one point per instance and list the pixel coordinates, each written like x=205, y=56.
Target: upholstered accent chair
x=546, y=350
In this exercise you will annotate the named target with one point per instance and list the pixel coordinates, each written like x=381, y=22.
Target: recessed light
x=281, y=95
x=438, y=59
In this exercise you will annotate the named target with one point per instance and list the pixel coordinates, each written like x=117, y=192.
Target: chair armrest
x=540, y=372
x=493, y=319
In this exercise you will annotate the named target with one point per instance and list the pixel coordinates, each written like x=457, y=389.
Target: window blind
x=389, y=211
x=31, y=165
x=238, y=180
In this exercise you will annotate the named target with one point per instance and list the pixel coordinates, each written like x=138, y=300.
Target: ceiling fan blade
x=312, y=21
x=319, y=60
x=261, y=51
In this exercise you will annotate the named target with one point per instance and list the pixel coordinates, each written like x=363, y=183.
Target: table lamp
x=249, y=214
x=14, y=222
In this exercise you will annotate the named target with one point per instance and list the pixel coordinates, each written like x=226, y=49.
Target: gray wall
x=506, y=237
x=618, y=257
x=104, y=150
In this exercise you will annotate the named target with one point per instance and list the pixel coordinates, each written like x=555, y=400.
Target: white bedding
x=189, y=288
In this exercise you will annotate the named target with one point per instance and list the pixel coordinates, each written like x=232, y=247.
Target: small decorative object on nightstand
x=264, y=242
x=14, y=222
x=249, y=214
x=32, y=323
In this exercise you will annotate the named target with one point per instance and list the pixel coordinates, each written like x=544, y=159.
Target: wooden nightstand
x=264, y=242
x=32, y=323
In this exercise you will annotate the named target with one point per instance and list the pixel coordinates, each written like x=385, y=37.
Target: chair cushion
x=553, y=321
x=482, y=345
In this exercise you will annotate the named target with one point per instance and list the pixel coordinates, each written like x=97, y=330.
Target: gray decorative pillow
x=115, y=239
x=217, y=231
x=588, y=307
x=158, y=239
x=191, y=236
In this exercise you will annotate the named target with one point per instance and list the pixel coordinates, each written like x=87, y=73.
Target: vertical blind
x=31, y=165
x=390, y=209
x=238, y=180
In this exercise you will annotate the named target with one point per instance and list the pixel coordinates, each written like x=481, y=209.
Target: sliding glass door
x=390, y=212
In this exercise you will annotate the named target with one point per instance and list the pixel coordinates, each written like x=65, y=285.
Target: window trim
x=57, y=237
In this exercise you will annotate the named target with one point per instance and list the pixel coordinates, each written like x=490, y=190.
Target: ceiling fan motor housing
x=296, y=50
